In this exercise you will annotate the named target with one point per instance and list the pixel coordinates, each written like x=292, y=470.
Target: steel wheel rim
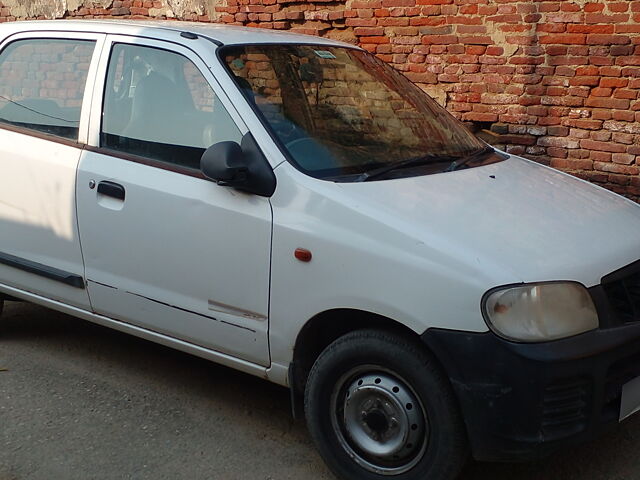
x=379, y=420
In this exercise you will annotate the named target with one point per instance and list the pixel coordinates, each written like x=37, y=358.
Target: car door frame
x=89, y=88
x=95, y=117
x=94, y=146
x=56, y=282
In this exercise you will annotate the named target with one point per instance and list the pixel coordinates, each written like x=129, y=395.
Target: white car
x=294, y=208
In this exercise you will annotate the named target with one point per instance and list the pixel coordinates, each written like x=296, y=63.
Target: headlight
x=540, y=312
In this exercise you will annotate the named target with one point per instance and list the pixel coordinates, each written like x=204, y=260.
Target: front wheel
x=378, y=406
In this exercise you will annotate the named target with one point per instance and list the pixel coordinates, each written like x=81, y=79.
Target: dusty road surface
x=79, y=401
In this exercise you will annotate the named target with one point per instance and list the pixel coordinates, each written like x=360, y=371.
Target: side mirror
x=239, y=166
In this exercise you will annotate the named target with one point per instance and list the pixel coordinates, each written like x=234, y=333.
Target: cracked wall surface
x=557, y=81
x=53, y=9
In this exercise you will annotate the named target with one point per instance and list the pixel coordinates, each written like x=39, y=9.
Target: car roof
x=224, y=34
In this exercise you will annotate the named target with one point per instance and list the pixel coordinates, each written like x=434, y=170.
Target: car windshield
x=341, y=113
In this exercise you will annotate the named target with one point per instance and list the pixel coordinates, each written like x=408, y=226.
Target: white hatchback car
x=294, y=208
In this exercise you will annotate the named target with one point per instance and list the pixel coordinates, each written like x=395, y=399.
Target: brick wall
x=555, y=81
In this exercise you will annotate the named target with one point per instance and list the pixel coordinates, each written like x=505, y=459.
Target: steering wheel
x=299, y=142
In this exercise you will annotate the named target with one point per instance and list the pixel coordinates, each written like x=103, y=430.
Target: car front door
x=166, y=249
x=43, y=78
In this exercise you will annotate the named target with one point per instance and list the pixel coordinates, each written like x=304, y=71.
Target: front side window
x=340, y=113
x=42, y=84
x=158, y=105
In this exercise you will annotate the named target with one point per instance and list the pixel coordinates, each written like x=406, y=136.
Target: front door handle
x=111, y=189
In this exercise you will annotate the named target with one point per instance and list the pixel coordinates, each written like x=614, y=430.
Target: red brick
x=563, y=38
x=608, y=71
x=621, y=50
x=611, y=19
x=393, y=22
x=549, y=7
x=614, y=82
x=584, y=80
x=590, y=28
x=551, y=27
x=556, y=50
x=476, y=49
x=426, y=77
x=616, y=168
x=600, y=156
x=569, y=7
x=578, y=91
x=366, y=4
x=557, y=152
x=368, y=32
x=572, y=164
x=595, y=39
x=402, y=3
x=601, y=92
x=625, y=138
x=603, y=146
x=623, y=158
x=619, y=103
x=625, y=93
x=587, y=71
x=627, y=28
x=374, y=40
x=601, y=135
x=584, y=123
x=563, y=142
x=439, y=39
x=357, y=22
x=601, y=114
x=480, y=117
x=626, y=61
x=624, y=116
x=618, y=7
x=549, y=121
x=630, y=72
x=565, y=18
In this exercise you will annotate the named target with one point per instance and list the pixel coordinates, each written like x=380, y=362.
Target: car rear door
x=46, y=80
x=166, y=249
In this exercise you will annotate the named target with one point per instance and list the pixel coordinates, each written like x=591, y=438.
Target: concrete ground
x=79, y=401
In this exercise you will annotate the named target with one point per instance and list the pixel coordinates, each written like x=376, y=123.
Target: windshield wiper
x=411, y=162
x=477, y=155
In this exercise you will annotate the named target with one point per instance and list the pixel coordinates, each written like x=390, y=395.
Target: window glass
x=340, y=112
x=158, y=105
x=42, y=83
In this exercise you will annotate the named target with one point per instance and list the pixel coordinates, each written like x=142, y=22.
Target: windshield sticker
x=324, y=54
x=238, y=63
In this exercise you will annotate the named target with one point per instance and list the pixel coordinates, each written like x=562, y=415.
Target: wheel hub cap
x=382, y=422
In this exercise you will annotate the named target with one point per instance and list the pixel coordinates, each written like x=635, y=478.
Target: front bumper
x=524, y=401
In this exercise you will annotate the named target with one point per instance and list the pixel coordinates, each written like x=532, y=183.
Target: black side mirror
x=239, y=166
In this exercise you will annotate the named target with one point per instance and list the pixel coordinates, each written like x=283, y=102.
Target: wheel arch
x=325, y=327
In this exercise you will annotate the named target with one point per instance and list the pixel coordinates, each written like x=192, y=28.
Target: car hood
x=513, y=221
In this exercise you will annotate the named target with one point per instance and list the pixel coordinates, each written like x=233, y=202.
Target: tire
x=379, y=407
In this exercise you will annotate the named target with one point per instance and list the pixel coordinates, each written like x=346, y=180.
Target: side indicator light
x=302, y=254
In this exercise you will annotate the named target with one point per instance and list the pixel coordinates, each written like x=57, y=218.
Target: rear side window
x=158, y=105
x=42, y=84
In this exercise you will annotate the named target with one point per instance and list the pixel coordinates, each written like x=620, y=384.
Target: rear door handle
x=111, y=189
